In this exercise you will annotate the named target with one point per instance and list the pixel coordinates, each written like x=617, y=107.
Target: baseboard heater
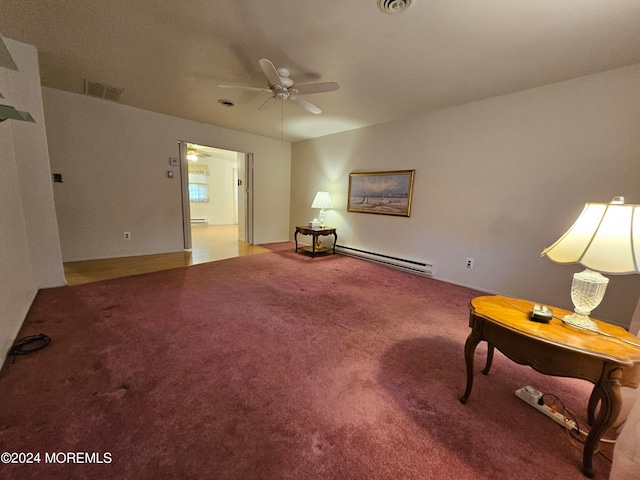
x=198, y=221
x=412, y=266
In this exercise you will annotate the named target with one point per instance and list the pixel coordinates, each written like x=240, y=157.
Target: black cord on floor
x=29, y=344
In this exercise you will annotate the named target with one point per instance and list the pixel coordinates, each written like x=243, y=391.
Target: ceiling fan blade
x=308, y=106
x=270, y=72
x=267, y=103
x=242, y=87
x=316, y=88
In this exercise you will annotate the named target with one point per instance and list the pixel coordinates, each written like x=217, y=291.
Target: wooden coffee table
x=554, y=349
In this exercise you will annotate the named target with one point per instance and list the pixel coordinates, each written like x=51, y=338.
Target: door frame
x=248, y=192
x=184, y=190
x=247, y=182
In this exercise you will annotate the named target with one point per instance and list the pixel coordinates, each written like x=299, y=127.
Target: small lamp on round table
x=605, y=238
x=322, y=201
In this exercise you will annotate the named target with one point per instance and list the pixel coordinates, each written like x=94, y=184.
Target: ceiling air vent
x=99, y=90
x=393, y=6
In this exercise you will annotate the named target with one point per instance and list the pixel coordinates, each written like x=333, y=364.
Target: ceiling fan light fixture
x=283, y=73
x=226, y=103
x=393, y=7
x=191, y=154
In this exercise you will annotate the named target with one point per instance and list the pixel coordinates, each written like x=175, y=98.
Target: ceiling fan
x=193, y=154
x=282, y=87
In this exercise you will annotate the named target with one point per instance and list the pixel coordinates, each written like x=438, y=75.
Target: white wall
x=29, y=247
x=221, y=208
x=497, y=180
x=114, y=161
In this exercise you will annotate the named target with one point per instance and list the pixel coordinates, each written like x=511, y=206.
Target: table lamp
x=605, y=239
x=322, y=201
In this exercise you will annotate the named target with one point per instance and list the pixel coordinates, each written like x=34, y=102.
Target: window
x=198, y=193
x=198, y=186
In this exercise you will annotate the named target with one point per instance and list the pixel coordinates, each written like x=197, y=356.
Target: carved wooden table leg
x=608, y=390
x=594, y=399
x=469, y=351
x=490, y=349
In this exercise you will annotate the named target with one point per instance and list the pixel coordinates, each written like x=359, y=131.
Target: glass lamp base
x=322, y=217
x=581, y=323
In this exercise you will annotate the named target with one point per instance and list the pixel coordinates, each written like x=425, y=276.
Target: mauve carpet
x=274, y=366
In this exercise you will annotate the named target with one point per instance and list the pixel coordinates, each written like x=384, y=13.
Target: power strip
x=532, y=397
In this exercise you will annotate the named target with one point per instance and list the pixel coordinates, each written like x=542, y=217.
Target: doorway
x=217, y=200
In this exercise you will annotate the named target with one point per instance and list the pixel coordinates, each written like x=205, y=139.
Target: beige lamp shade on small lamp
x=322, y=201
x=605, y=238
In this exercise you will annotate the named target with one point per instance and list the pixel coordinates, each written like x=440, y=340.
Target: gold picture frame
x=383, y=193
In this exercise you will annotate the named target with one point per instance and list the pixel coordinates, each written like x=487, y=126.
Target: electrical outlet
x=469, y=262
x=127, y=235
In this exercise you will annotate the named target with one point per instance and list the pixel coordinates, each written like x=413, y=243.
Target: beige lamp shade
x=322, y=200
x=605, y=238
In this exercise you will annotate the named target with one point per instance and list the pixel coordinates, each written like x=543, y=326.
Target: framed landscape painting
x=386, y=193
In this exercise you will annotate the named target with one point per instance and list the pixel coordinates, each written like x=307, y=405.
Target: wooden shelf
x=318, y=250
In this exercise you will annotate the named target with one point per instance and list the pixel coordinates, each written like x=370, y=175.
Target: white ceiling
x=168, y=56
